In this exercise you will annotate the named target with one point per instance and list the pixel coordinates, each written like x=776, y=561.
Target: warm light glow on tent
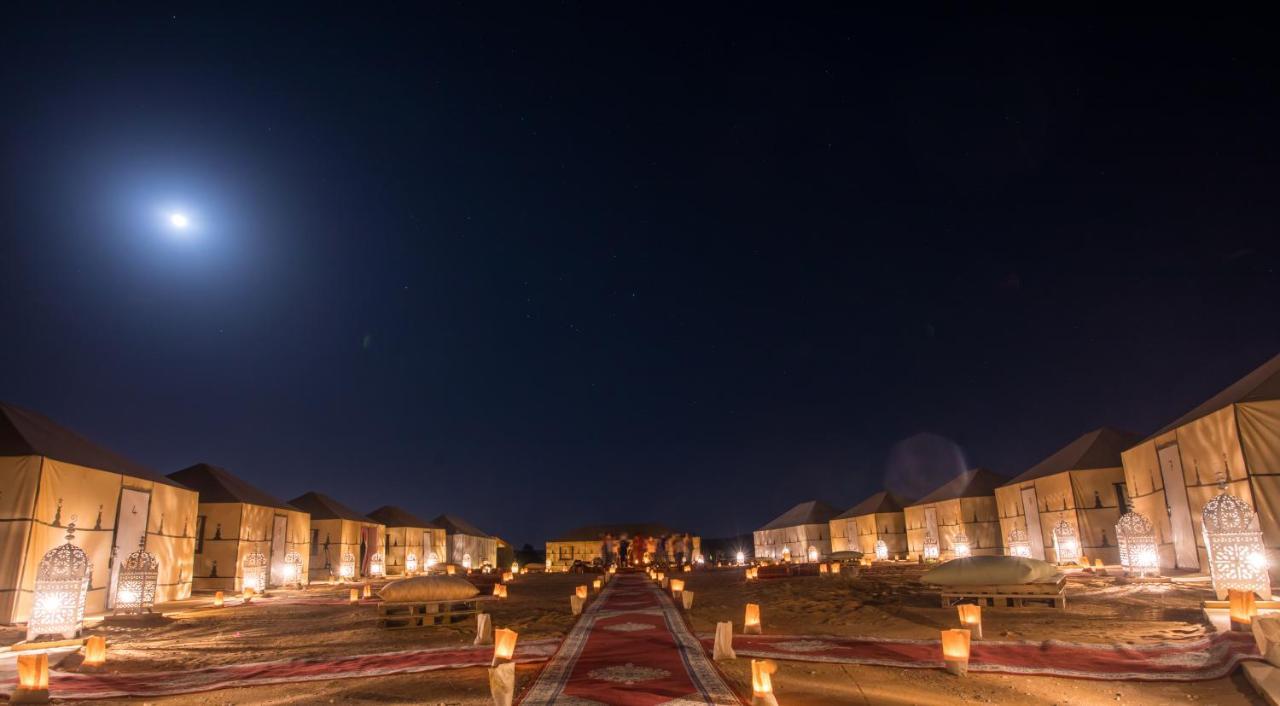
x=1233, y=539
x=410, y=563
x=291, y=573
x=466, y=562
x=255, y=572
x=136, y=582
x=62, y=583
x=813, y=554
x=1065, y=542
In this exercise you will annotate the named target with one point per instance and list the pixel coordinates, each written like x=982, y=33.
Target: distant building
x=468, y=544
x=585, y=543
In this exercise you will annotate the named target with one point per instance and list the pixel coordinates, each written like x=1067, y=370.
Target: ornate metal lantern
x=347, y=567
x=1137, y=540
x=432, y=560
x=1019, y=545
x=466, y=562
x=813, y=555
x=293, y=569
x=377, y=566
x=1237, y=556
x=410, y=563
x=255, y=572
x=1065, y=543
x=882, y=550
x=960, y=545
x=930, y=547
x=136, y=582
x=62, y=582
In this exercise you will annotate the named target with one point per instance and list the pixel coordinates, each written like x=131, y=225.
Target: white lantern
x=255, y=572
x=432, y=560
x=960, y=545
x=347, y=567
x=1019, y=545
x=930, y=547
x=1065, y=543
x=293, y=569
x=813, y=555
x=882, y=550
x=377, y=566
x=410, y=563
x=466, y=562
x=136, y=582
x=1237, y=556
x=742, y=558
x=62, y=583
x=1137, y=541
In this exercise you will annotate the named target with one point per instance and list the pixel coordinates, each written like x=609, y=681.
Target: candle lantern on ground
x=1137, y=541
x=95, y=652
x=955, y=651
x=466, y=562
x=255, y=572
x=960, y=545
x=597, y=584
x=377, y=565
x=742, y=558
x=136, y=581
x=1019, y=545
x=33, y=680
x=502, y=673
x=292, y=571
x=971, y=618
x=1065, y=542
x=581, y=592
x=218, y=599
x=62, y=583
x=1233, y=537
x=450, y=570
x=347, y=567
x=751, y=620
x=835, y=567
x=411, y=563
x=354, y=596
x=930, y=547
x=882, y=550
x=762, y=682
x=367, y=591
x=1242, y=608
x=499, y=590
x=677, y=585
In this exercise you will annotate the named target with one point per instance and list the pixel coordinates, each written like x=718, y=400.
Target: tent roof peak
x=1099, y=448
x=216, y=484
x=810, y=512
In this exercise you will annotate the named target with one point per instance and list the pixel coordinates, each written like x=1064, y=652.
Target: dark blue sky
x=544, y=266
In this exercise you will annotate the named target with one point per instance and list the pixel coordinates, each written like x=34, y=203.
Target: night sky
x=548, y=265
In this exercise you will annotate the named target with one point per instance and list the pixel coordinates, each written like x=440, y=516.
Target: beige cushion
x=428, y=588
x=991, y=570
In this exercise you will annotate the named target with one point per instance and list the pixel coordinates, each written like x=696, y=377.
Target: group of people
x=632, y=551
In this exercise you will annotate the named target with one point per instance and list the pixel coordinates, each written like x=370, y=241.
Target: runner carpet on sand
x=631, y=647
x=1196, y=660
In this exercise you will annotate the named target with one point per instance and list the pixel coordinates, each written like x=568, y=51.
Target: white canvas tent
x=878, y=518
x=1081, y=484
x=337, y=530
x=793, y=533
x=466, y=541
x=965, y=505
x=1172, y=474
x=407, y=534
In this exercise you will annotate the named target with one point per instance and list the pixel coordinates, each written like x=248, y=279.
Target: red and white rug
x=631, y=647
x=1208, y=658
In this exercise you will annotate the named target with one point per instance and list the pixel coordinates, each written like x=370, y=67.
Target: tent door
x=279, y=532
x=1031, y=509
x=931, y=523
x=1175, y=498
x=131, y=525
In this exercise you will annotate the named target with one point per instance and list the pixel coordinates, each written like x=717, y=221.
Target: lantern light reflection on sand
x=1137, y=541
x=955, y=651
x=62, y=583
x=960, y=545
x=751, y=620
x=1019, y=545
x=33, y=680
x=1065, y=542
x=930, y=547
x=882, y=550
x=971, y=618
x=1233, y=538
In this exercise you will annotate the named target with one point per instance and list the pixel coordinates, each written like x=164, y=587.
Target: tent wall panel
x=403, y=541
x=771, y=543
x=1146, y=490
x=1259, y=429
x=171, y=537
x=844, y=535
x=217, y=566
x=19, y=481
x=889, y=526
x=14, y=536
x=483, y=550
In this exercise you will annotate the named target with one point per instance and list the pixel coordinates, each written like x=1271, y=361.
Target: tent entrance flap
x=931, y=522
x=1175, y=498
x=1031, y=509
x=279, y=531
x=131, y=525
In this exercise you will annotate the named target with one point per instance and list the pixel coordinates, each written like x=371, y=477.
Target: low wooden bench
x=1009, y=595
x=425, y=614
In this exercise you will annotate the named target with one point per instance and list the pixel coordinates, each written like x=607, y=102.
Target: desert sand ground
x=892, y=605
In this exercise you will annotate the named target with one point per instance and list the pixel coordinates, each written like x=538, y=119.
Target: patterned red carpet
x=1208, y=658
x=632, y=647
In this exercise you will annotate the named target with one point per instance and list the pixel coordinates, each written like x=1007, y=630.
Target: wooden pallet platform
x=425, y=614
x=1009, y=595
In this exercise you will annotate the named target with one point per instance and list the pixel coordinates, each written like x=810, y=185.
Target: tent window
x=200, y=534
x=315, y=542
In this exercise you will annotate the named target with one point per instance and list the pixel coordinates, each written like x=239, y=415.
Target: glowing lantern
x=62, y=582
x=688, y=568
x=742, y=558
x=410, y=563
x=930, y=547
x=955, y=651
x=247, y=594
x=347, y=567
x=761, y=681
x=499, y=590
x=1019, y=545
x=813, y=555
x=515, y=567
x=95, y=652
x=218, y=599
x=823, y=569
x=1065, y=542
x=450, y=570
x=255, y=572
x=752, y=573
x=581, y=592
x=292, y=571
x=33, y=680
x=377, y=565
x=466, y=562
x=786, y=554
x=960, y=545
x=1237, y=556
x=751, y=620
x=882, y=550
x=432, y=560
x=1097, y=564
x=354, y=596
x=677, y=585
x=613, y=570
x=367, y=592
x=1242, y=609
x=835, y=567
x=504, y=644
x=136, y=582
x=971, y=618
x=507, y=576
x=597, y=584
x=1137, y=542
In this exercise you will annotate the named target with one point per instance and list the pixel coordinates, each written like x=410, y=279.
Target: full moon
x=179, y=220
